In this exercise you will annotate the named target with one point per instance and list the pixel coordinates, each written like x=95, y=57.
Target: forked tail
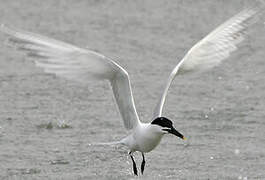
x=107, y=143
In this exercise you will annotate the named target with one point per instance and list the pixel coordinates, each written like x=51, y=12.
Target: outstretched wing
x=214, y=48
x=77, y=64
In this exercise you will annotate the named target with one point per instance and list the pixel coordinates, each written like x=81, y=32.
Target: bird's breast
x=147, y=140
x=148, y=144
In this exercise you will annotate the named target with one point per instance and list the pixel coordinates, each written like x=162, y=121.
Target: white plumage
x=213, y=49
x=77, y=64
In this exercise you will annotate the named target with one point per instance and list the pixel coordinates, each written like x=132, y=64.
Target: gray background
x=220, y=111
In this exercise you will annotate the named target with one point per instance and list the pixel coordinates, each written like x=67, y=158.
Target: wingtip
x=258, y=5
x=4, y=28
x=7, y=29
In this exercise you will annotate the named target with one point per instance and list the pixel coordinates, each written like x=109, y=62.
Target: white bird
x=78, y=64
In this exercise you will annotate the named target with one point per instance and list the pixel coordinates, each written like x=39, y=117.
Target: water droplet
x=211, y=157
x=206, y=116
x=239, y=177
x=220, y=78
x=245, y=178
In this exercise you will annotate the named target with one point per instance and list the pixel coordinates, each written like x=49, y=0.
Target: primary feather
x=213, y=49
x=77, y=64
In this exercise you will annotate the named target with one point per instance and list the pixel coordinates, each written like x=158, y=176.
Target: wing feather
x=213, y=49
x=77, y=64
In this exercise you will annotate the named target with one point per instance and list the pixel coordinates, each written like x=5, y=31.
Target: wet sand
x=48, y=123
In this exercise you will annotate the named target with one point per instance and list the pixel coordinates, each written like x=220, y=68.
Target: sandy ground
x=220, y=111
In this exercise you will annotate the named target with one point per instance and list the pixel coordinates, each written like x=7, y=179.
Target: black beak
x=176, y=133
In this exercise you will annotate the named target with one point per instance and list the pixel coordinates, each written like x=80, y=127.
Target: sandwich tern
x=79, y=64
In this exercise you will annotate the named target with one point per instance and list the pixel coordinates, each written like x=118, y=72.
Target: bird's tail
x=107, y=143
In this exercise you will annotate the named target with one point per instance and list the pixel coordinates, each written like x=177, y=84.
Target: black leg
x=143, y=164
x=134, y=164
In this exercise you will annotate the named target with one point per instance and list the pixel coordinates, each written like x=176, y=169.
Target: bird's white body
x=144, y=138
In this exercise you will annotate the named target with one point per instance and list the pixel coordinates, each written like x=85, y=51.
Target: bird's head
x=166, y=126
